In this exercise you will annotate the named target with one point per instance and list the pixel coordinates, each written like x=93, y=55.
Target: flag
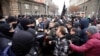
x=63, y=11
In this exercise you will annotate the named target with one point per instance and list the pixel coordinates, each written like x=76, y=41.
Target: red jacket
x=91, y=47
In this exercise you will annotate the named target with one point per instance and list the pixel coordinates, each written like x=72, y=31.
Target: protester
x=89, y=48
x=84, y=23
x=5, y=37
x=22, y=43
x=61, y=47
x=44, y=35
x=12, y=21
x=75, y=40
x=69, y=26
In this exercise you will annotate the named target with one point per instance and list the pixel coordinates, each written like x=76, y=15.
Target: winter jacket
x=84, y=23
x=4, y=40
x=83, y=36
x=91, y=47
x=22, y=43
x=61, y=47
x=76, y=40
x=4, y=35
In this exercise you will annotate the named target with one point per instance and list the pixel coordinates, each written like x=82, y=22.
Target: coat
x=91, y=47
x=75, y=40
x=4, y=35
x=84, y=23
x=61, y=47
x=4, y=40
x=22, y=43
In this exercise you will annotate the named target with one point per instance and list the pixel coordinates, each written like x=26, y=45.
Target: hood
x=4, y=36
x=95, y=36
x=24, y=23
x=5, y=28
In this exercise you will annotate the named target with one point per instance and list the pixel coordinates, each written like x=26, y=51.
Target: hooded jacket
x=84, y=23
x=4, y=35
x=91, y=47
x=22, y=43
x=4, y=41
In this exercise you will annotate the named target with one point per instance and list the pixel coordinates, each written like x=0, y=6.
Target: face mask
x=10, y=34
x=33, y=27
x=14, y=25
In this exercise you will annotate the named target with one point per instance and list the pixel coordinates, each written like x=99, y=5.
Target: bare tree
x=73, y=8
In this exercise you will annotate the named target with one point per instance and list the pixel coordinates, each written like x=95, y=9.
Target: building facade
x=77, y=2
x=40, y=1
x=31, y=8
x=89, y=7
x=23, y=7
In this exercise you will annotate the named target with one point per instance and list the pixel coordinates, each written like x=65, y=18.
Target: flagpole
x=63, y=10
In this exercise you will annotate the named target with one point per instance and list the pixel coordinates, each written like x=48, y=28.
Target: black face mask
x=14, y=25
x=33, y=27
x=10, y=34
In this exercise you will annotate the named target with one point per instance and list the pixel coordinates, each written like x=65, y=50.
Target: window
x=86, y=8
x=26, y=6
x=36, y=7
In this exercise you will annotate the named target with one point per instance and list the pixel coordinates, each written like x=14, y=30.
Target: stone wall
x=14, y=7
x=31, y=8
x=90, y=7
x=23, y=7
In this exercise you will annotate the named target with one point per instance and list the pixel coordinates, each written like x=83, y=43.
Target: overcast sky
x=60, y=4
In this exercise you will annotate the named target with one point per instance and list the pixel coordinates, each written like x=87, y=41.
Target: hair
x=92, y=29
x=62, y=30
x=70, y=23
x=74, y=29
x=45, y=17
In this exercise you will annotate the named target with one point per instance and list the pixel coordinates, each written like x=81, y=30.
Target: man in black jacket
x=22, y=43
x=5, y=38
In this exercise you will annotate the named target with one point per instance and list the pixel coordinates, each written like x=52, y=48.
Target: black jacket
x=4, y=40
x=75, y=39
x=22, y=43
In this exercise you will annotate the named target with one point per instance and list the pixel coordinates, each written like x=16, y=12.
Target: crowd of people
x=26, y=35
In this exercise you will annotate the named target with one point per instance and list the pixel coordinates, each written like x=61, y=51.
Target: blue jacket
x=84, y=23
x=41, y=25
